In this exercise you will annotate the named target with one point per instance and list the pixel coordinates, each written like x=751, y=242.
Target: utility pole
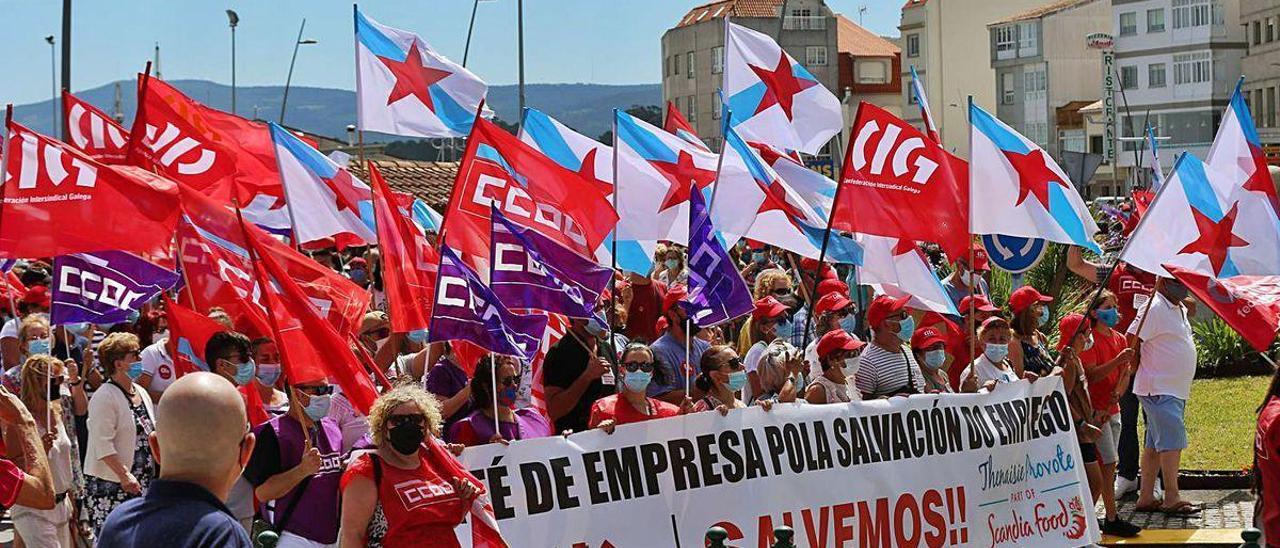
x=520, y=38
x=157, y=62
x=53, y=84
x=66, y=50
x=234, y=20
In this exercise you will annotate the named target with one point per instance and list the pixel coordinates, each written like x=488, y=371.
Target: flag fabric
x=896, y=268
x=1249, y=304
x=104, y=287
x=1024, y=192
x=531, y=271
x=404, y=87
x=59, y=201
x=310, y=347
x=717, y=292
x=557, y=326
x=93, y=132
x=1237, y=151
x=229, y=158
x=408, y=262
x=656, y=173
x=676, y=124
x=1153, y=160
x=189, y=331
x=774, y=99
x=818, y=192
x=465, y=309
x=483, y=522
x=917, y=90
x=324, y=199
x=1201, y=221
x=530, y=188
x=427, y=219
x=900, y=183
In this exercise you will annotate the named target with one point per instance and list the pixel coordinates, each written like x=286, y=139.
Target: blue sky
x=597, y=41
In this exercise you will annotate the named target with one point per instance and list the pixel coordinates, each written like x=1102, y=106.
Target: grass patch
x=1221, y=422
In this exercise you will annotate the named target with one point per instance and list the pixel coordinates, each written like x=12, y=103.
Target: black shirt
x=564, y=363
x=176, y=514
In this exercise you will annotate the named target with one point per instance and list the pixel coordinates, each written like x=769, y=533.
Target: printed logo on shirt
x=416, y=493
x=330, y=463
x=164, y=372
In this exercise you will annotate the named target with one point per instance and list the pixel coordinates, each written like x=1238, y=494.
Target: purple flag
x=529, y=270
x=104, y=287
x=717, y=292
x=467, y=310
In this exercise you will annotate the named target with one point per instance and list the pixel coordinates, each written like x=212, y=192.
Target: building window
x=1270, y=117
x=1028, y=39
x=717, y=60
x=716, y=106
x=1155, y=75
x=815, y=56
x=1033, y=84
x=1155, y=20
x=913, y=45
x=1196, y=13
x=675, y=64
x=692, y=111
x=689, y=62
x=1129, y=77
x=1006, y=40
x=873, y=72
x=1257, y=32
x=1128, y=23
x=1192, y=68
x=1271, y=29
x=1006, y=88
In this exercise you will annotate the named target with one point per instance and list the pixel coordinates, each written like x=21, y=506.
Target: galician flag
x=1018, y=190
x=656, y=173
x=897, y=267
x=403, y=87
x=324, y=199
x=917, y=89
x=1237, y=151
x=1153, y=160
x=774, y=99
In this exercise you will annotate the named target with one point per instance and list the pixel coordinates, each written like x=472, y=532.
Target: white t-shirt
x=1168, y=357
x=10, y=329
x=989, y=371
x=156, y=362
x=752, y=363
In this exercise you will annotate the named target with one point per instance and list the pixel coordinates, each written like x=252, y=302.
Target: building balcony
x=804, y=22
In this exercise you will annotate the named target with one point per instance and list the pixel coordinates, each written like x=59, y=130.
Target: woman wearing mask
x=930, y=348
x=267, y=356
x=833, y=311
x=673, y=271
x=838, y=354
x=774, y=282
x=773, y=365
x=33, y=337
x=992, y=367
x=1105, y=364
x=513, y=424
x=297, y=464
x=630, y=404
x=448, y=383
x=1030, y=355
x=118, y=462
x=42, y=394
x=373, y=510
x=723, y=375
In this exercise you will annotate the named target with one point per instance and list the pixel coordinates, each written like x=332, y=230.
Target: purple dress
x=477, y=429
x=444, y=381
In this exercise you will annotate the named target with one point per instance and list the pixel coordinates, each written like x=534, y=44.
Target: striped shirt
x=885, y=373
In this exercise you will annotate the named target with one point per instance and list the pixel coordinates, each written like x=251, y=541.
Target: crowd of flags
x=538, y=222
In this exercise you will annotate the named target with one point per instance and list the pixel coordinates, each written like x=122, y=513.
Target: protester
x=119, y=464
x=297, y=464
x=201, y=456
x=1266, y=465
x=992, y=366
x=838, y=356
x=673, y=271
x=958, y=283
x=577, y=373
x=807, y=274
x=887, y=367
x=157, y=369
x=675, y=373
x=772, y=363
x=228, y=355
x=42, y=377
x=34, y=303
x=723, y=376
x=512, y=424
x=400, y=421
x=833, y=311
x=266, y=356
x=960, y=342
x=1166, y=366
x=930, y=349
x=768, y=283
x=630, y=404
x=1030, y=356
x=644, y=308
x=761, y=261
x=33, y=336
x=449, y=384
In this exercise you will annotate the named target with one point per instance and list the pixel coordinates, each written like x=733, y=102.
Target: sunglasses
x=632, y=367
x=401, y=420
x=513, y=380
x=316, y=390
x=379, y=333
x=782, y=292
x=734, y=364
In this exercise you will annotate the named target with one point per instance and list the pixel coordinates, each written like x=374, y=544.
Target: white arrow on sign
x=1007, y=253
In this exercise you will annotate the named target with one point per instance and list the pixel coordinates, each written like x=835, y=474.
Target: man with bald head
x=201, y=442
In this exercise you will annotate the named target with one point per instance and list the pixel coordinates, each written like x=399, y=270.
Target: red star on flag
x=905, y=246
x=588, y=171
x=1034, y=176
x=775, y=198
x=412, y=78
x=781, y=85
x=1216, y=238
x=346, y=195
x=1260, y=179
x=683, y=176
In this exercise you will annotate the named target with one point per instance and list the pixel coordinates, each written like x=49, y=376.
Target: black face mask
x=406, y=438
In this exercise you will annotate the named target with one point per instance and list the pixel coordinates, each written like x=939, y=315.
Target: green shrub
x=1219, y=346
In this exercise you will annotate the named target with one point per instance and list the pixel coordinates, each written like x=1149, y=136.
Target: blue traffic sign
x=1013, y=254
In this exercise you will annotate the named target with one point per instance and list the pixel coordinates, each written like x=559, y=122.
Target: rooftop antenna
x=157, y=61
x=861, y=11
x=117, y=111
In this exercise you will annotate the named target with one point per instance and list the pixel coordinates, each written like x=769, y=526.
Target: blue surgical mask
x=996, y=352
x=1109, y=316
x=906, y=328
x=759, y=257
x=1044, y=316
x=596, y=328
x=784, y=330
x=417, y=336
x=934, y=359
x=737, y=380
x=507, y=396
x=135, y=370
x=849, y=323
x=672, y=264
x=268, y=373
x=37, y=346
x=244, y=373
x=318, y=408
x=637, y=381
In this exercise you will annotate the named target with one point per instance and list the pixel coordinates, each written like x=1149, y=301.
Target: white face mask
x=965, y=277
x=851, y=365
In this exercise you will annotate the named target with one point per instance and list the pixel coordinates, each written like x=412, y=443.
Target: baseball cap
x=37, y=295
x=926, y=337
x=979, y=303
x=808, y=265
x=831, y=302
x=837, y=339
x=996, y=321
x=768, y=307
x=981, y=262
x=675, y=294
x=374, y=320
x=884, y=306
x=832, y=285
x=1026, y=296
x=1067, y=327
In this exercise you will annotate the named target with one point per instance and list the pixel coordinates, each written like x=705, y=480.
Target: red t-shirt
x=644, y=311
x=1266, y=449
x=10, y=482
x=1107, y=344
x=616, y=408
x=1128, y=282
x=421, y=505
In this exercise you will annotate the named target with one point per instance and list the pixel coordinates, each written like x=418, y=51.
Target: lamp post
x=289, y=79
x=520, y=37
x=234, y=20
x=66, y=51
x=53, y=82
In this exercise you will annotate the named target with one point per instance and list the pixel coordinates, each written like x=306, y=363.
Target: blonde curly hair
x=382, y=407
x=34, y=372
x=29, y=323
x=765, y=281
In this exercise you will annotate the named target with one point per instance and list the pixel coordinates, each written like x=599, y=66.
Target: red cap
x=995, y=320
x=926, y=337
x=675, y=294
x=808, y=265
x=979, y=303
x=1026, y=296
x=837, y=339
x=37, y=295
x=980, y=261
x=831, y=302
x=1067, y=327
x=768, y=307
x=357, y=261
x=884, y=306
x=832, y=285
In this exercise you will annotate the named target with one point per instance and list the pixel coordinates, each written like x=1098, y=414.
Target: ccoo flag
x=104, y=287
x=465, y=309
x=717, y=292
x=529, y=270
x=403, y=87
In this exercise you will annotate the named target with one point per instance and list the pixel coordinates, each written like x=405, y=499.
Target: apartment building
x=1261, y=69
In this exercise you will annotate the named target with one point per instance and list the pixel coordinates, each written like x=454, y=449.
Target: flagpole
x=613, y=252
x=822, y=257
x=186, y=281
x=971, y=328
x=4, y=167
x=493, y=388
x=687, y=366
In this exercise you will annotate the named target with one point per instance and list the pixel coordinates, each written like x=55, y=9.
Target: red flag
x=899, y=183
x=58, y=201
x=255, y=410
x=484, y=525
x=1249, y=304
x=93, y=132
x=1141, y=201
x=530, y=189
x=409, y=263
x=189, y=331
x=309, y=345
x=676, y=124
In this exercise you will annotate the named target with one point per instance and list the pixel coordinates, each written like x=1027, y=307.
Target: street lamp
x=466, y=50
x=234, y=20
x=289, y=79
x=53, y=82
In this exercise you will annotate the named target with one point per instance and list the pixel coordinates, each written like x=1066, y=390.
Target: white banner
x=986, y=470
